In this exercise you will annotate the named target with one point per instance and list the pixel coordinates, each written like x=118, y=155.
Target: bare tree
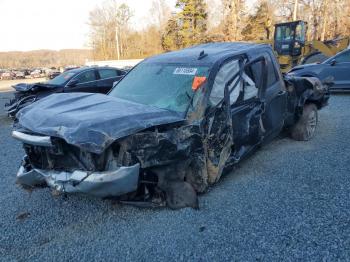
x=108, y=28
x=160, y=13
x=233, y=11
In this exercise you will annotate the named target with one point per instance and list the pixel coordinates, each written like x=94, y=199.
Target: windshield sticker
x=185, y=71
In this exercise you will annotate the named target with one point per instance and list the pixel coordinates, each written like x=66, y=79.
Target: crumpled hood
x=23, y=87
x=91, y=121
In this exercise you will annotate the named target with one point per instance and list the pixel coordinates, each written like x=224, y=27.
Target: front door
x=340, y=70
x=84, y=82
x=232, y=125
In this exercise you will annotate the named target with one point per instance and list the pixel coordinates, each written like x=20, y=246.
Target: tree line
x=113, y=36
x=199, y=21
x=43, y=58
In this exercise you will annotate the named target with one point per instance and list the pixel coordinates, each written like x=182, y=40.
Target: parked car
x=169, y=128
x=92, y=80
x=53, y=74
x=37, y=73
x=8, y=75
x=336, y=67
x=19, y=75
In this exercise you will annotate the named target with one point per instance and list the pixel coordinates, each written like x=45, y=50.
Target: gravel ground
x=290, y=201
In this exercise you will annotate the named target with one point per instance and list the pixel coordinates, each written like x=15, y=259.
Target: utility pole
x=325, y=21
x=117, y=40
x=295, y=10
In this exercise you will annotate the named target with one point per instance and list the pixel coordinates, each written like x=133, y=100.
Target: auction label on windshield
x=185, y=71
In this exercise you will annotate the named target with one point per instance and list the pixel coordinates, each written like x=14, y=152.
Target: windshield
x=61, y=79
x=284, y=32
x=161, y=85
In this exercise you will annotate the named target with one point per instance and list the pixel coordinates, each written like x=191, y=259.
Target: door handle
x=281, y=93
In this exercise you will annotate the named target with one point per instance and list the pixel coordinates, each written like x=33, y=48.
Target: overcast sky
x=53, y=24
x=58, y=24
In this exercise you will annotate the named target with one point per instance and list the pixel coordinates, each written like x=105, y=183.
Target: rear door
x=274, y=97
x=107, y=76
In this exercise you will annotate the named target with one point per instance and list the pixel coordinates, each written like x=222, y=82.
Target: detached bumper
x=100, y=184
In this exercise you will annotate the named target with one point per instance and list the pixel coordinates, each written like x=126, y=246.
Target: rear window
x=271, y=72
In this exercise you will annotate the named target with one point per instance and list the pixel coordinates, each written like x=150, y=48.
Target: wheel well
x=316, y=102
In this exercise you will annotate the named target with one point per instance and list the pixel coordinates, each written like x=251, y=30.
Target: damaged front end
x=167, y=162
x=17, y=103
x=153, y=167
x=25, y=95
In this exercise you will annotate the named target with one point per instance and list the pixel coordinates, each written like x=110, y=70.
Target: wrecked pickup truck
x=170, y=128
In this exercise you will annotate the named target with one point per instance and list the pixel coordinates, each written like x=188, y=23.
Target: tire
x=305, y=128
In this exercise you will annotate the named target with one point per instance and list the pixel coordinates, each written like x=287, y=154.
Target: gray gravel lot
x=290, y=201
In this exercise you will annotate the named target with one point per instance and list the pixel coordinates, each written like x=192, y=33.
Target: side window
x=107, y=73
x=250, y=89
x=343, y=58
x=226, y=72
x=245, y=90
x=271, y=72
x=87, y=76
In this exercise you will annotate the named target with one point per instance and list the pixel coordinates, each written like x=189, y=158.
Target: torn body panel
x=117, y=182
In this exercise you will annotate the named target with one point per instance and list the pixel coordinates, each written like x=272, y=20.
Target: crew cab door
x=232, y=128
x=274, y=95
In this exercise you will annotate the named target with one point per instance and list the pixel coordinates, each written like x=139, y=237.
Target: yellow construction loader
x=292, y=48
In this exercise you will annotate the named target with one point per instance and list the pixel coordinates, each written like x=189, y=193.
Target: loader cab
x=289, y=38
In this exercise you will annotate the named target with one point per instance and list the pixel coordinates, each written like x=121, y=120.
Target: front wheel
x=305, y=128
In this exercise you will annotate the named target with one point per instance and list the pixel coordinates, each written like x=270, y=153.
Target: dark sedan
x=337, y=67
x=86, y=79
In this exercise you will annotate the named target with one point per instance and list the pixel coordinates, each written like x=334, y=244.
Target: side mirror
x=333, y=62
x=73, y=83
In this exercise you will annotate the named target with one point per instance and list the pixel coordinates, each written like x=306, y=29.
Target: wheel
x=305, y=128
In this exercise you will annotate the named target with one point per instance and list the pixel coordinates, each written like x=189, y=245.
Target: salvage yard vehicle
x=52, y=74
x=292, y=48
x=93, y=80
x=170, y=128
x=8, y=75
x=337, y=67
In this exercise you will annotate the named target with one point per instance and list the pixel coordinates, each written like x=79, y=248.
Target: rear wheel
x=305, y=128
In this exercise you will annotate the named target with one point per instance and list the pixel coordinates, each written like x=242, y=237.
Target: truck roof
x=213, y=52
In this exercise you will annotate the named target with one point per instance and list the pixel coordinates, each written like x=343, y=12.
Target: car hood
x=23, y=87
x=91, y=121
x=306, y=66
